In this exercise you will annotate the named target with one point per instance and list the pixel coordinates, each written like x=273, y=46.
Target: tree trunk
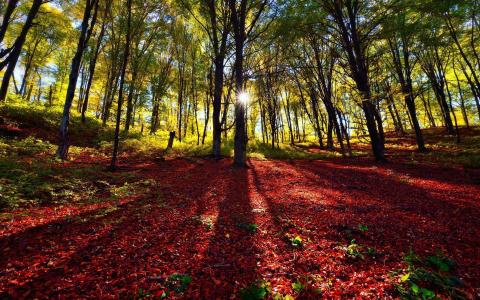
x=217, y=106
x=28, y=66
x=410, y=102
x=126, y=54
x=180, y=108
x=171, y=138
x=355, y=46
x=83, y=81
x=86, y=30
x=6, y=20
x=428, y=110
x=110, y=93
x=453, y=34
x=403, y=69
x=457, y=132
x=289, y=120
x=93, y=63
x=396, y=123
x=207, y=110
x=131, y=90
x=375, y=138
x=462, y=99
x=240, y=143
x=155, y=111
x=17, y=48
x=50, y=96
x=475, y=92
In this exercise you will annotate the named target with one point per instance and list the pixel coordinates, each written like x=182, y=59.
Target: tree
x=432, y=62
x=401, y=38
x=146, y=34
x=242, y=31
x=94, y=58
x=357, y=23
x=51, y=29
x=14, y=51
x=86, y=29
x=126, y=54
x=218, y=35
x=11, y=5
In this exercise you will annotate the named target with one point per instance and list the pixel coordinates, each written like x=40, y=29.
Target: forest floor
x=198, y=228
x=191, y=227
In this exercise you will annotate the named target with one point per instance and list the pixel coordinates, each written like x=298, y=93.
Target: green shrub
x=256, y=291
x=250, y=227
x=178, y=282
x=9, y=197
x=353, y=250
x=305, y=287
x=428, y=278
x=362, y=228
x=297, y=241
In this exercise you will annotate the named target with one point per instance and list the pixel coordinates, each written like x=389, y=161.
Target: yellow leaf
x=405, y=277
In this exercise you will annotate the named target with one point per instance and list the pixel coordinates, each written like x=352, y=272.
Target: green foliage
x=362, y=228
x=306, y=286
x=29, y=146
x=278, y=296
x=250, y=227
x=45, y=122
x=178, y=282
x=29, y=175
x=122, y=191
x=297, y=241
x=143, y=294
x=446, y=151
x=440, y=262
x=372, y=252
x=256, y=291
x=40, y=183
x=256, y=149
x=9, y=198
x=24, y=183
x=429, y=278
x=298, y=286
x=353, y=250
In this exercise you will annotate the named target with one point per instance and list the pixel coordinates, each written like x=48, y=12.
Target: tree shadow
x=332, y=199
x=136, y=246
x=428, y=171
x=230, y=260
x=35, y=240
x=196, y=222
x=394, y=187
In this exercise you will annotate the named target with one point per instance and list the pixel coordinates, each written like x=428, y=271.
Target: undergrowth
x=30, y=175
x=431, y=277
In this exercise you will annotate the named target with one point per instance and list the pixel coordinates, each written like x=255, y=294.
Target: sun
x=243, y=98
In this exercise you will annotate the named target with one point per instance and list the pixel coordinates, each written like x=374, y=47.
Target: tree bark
x=131, y=90
x=171, y=138
x=126, y=54
x=208, y=97
x=85, y=32
x=404, y=70
x=219, y=39
x=12, y=4
x=93, y=63
x=345, y=15
x=12, y=58
x=462, y=99
x=240, y=143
